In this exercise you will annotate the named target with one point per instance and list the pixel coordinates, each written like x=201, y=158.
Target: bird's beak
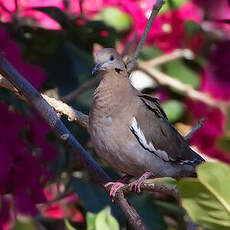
x=96, y=69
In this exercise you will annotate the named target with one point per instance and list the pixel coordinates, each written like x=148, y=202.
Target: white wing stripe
x=149, y=146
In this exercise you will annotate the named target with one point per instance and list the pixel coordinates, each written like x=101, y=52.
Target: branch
x=50, y=116
x=164, y=58
x=148, y=186
x=188, y=90
x=60, y=107
x=72, y=114
x=156, y=8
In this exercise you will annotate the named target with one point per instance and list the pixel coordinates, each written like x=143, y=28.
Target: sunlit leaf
x=207, y=199
x=105, y=221
x=90, y=220
x=172, y=4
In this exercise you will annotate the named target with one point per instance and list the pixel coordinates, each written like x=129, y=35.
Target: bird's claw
x=114, y=188
x=137, y=183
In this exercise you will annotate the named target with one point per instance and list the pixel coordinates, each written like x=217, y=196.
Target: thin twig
x=83, y=88
x=129, y=47
x=16, y=5
x=156, y=8
x=188, y=90
x=198, y=125
x=58, y=198
x=50, y=116
x=81, y=8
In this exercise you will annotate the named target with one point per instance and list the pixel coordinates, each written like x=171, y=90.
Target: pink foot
x=115, y=187
x=137, y=183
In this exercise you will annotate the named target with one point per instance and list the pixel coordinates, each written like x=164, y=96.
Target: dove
x=131, y=132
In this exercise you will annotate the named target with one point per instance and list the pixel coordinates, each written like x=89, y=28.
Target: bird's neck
x=112, y=94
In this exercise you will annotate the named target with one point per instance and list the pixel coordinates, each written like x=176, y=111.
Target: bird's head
x=106, y=60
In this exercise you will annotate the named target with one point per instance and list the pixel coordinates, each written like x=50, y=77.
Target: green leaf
x=90, y=220
x=115, y=18
x=106, y=221
x=207, y=199
x=181, y=71
x=167, y=181
x=172, y=4
x=68, y=225
x=173, y=109
x=191, y=27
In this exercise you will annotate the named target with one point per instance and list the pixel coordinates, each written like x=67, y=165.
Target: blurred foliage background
x=51, y=43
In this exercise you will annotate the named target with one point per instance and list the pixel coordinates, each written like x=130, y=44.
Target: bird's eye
x=112, y=58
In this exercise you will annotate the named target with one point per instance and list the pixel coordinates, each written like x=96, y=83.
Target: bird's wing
x=156, y=134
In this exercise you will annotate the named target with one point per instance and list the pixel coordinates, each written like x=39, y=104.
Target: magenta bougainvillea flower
x=206, y=138
x=168, y=31
x=216, y=77
x=23, y=165
x=214, y=13
x=63, y=208
x=8, y=9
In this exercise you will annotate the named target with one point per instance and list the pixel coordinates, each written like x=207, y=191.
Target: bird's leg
x=117, y=185
x=137, y=183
